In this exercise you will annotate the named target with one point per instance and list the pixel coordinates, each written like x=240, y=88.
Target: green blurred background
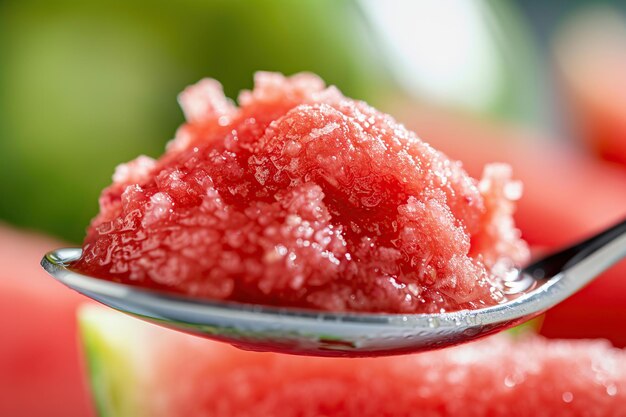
x=87, y=85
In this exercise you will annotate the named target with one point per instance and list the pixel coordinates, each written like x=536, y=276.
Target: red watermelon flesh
x=590, y=50
x=139, y=370
x=567, y=196
x=40, y=370
x=303, y=197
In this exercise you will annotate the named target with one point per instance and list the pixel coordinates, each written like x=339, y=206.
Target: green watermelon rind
x=531, y=326
x=111, y=369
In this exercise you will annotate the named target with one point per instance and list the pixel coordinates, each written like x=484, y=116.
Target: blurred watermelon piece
x=40, y=370
x=590, y=50
x=138, y=369
x=567, y=196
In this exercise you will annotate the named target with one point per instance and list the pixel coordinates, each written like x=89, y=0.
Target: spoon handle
x=586, y=259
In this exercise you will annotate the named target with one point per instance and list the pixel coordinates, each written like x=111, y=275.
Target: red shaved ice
x=303, y=197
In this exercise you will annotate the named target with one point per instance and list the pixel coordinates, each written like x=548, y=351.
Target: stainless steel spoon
x=305, y=332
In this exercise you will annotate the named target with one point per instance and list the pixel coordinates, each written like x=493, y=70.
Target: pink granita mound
x=303, y=197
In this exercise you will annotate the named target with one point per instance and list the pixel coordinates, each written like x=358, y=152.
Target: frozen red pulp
x=303, y=197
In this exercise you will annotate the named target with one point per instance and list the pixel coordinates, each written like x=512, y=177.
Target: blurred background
x=85, y=86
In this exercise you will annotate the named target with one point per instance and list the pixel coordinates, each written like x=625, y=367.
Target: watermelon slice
x=591, y=58
x=40, y=370
x=138, y=369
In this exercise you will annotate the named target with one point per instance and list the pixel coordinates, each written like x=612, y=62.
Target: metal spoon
x=305, y=332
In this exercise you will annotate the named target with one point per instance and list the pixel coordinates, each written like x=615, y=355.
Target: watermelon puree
x=303, y=197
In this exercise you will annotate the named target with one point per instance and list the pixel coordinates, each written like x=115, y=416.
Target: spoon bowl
x=539, y=286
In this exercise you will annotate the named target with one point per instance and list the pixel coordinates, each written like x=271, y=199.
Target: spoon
x=538, y=287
